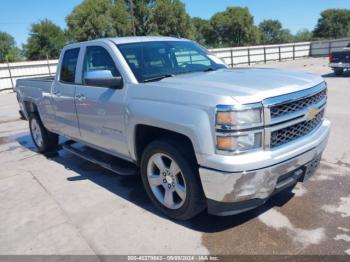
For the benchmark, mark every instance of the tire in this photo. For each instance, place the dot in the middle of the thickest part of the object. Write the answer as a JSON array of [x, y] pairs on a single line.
[[22, 116], [338, 71], [44, 140], [186, 180]]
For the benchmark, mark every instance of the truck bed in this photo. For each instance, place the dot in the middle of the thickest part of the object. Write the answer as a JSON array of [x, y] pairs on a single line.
[[39, 82], [34, 88], [36, 79]]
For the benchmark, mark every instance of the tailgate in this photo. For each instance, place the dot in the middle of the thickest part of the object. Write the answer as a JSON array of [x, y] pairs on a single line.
[[343, 56]]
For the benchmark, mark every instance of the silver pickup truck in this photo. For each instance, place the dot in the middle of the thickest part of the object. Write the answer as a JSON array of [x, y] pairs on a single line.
[[202, 136]]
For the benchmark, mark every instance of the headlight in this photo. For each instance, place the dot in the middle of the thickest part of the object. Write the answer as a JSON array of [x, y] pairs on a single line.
[[239, 143], [239, 129], [238, 119]]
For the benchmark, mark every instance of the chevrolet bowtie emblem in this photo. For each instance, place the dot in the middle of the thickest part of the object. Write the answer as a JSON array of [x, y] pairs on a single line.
[[311, 114]]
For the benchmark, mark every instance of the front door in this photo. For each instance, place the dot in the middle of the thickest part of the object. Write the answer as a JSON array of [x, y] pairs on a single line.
[[100, 108]]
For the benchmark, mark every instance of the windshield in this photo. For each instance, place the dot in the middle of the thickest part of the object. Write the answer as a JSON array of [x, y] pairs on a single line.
[[156, 60]]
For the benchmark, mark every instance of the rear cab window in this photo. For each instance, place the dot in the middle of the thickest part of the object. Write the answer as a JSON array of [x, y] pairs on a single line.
[[69, 65]]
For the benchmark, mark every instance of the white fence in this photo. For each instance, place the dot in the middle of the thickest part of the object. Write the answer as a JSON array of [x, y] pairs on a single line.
[[323, 48], [257, 54], [263, 54], [10, 72]]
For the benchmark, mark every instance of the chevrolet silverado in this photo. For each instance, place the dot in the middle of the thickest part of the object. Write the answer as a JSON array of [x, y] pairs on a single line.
[[200, 134]]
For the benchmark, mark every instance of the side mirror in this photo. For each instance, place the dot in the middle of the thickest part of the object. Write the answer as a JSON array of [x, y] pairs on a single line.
[[103, 78]]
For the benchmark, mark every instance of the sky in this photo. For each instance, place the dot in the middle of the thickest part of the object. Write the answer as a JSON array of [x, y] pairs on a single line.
[[17, 15]]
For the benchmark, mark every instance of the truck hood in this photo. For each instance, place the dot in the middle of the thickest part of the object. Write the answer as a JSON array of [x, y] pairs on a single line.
[[245, 85]]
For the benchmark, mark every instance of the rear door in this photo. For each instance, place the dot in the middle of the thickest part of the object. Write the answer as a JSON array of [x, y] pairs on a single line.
[[63, 94], [101, 108]]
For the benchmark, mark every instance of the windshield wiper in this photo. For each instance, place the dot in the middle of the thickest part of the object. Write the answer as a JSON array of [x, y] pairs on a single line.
[[210, 69], [157, 78]]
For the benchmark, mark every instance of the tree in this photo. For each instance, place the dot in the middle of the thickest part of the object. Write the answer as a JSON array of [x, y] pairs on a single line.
[[286, 36], [303, 35], [121, 22], [105, 18], [8, 50], [94, 19], [141, 12], [234, 26], [90, 20], [271, 30], [334, 23], [256, 36], [273, 33], [204, 32], [170, 19], [14, 55], [45, 41]]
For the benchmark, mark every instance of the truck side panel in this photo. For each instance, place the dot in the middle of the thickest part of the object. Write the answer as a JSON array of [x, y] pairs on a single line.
[[191, 122], [38, 92]]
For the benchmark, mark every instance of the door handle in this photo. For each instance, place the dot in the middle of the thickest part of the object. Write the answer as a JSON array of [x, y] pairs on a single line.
[[56, 93], [80, 97]]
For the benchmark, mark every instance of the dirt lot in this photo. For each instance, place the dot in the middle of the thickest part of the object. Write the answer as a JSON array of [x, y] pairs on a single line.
[[60, 204]]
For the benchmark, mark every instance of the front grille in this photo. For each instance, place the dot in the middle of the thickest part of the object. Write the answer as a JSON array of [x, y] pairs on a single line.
[[290, 133], [287, 108]]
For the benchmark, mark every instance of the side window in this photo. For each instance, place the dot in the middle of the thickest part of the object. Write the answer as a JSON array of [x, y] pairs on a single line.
[[97, 61], [69, 65]]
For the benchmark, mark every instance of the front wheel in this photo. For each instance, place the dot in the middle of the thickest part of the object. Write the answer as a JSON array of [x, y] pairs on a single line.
[[171, 180], [44, 140]]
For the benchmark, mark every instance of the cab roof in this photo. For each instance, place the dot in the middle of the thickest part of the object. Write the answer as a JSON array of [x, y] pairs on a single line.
[[138, 39], [128, 40]]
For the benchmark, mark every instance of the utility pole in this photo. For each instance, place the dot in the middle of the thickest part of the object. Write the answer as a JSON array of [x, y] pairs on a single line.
[[48, 63], [10, 74], [131, 6]]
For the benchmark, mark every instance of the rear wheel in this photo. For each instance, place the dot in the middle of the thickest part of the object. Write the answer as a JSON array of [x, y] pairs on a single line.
[[44, 140], [338, 71], [171, 180]]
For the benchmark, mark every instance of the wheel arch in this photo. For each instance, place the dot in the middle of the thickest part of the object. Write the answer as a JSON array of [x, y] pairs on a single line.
[[29, 108], [185, 121], [145, 134]]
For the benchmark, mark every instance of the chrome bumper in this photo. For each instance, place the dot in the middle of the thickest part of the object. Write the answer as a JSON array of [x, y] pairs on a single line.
[[260, 183], [339, 65]]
